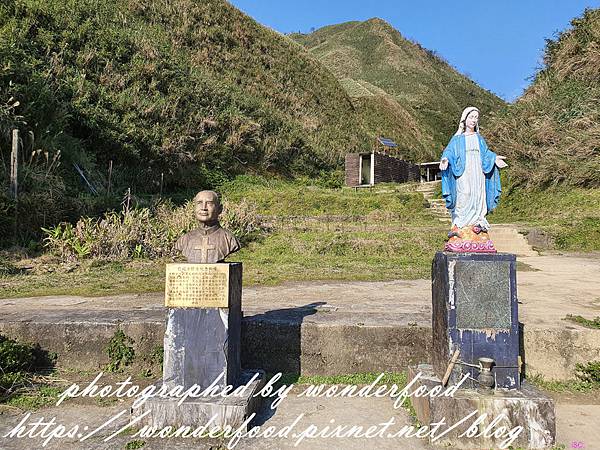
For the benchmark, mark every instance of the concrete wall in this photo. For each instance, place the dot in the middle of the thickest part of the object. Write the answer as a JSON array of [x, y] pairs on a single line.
[[294, 346]]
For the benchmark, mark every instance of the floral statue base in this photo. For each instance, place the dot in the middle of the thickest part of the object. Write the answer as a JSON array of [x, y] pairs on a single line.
[[471, 239]]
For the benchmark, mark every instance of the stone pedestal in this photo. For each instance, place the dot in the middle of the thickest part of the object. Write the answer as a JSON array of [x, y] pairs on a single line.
[[475, 311], [203, 342], [194, 412], [526, 407], [475, 315]]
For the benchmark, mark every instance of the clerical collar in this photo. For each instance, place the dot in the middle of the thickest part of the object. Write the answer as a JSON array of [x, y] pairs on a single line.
[[208, 230]]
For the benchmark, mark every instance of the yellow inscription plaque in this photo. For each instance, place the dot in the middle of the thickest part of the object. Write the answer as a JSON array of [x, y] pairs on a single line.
[[197, 285]]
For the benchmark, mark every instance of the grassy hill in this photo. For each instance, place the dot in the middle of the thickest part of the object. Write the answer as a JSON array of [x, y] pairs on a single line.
[[309, 233], [551, 136], [401, 90], [170, 83], [552, 133], [192, 89]]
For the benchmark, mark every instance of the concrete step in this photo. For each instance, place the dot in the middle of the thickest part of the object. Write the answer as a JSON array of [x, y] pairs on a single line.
[[320, 328], [428, 186], [507, 239], [427, 189]]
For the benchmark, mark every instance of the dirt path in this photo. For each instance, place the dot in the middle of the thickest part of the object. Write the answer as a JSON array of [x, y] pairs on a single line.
[[575, 423], [549, 288]]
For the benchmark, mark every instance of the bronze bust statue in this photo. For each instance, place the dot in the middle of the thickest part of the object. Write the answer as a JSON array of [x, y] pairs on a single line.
[[209, 243]]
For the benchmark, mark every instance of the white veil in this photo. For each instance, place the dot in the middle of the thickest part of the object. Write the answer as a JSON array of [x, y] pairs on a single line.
[[463, 117]]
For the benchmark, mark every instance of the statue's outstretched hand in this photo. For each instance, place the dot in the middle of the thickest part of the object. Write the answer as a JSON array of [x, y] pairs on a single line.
[[444, 164], [500, 162]]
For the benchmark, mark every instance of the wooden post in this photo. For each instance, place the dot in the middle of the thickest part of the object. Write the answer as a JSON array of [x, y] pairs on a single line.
[[110, 164], [162, 179], [14, 165], [128, 198]]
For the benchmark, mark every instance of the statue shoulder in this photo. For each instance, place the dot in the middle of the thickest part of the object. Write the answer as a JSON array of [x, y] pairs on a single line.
[[456, 139], [452, 146], [233, 241], [183, 240]]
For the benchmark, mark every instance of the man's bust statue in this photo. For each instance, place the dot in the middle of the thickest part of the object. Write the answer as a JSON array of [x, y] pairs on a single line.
[[209, 243]]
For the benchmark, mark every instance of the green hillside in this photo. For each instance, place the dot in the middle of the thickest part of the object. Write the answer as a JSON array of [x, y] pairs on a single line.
[[192, 89], [552, 133], [400, 89]]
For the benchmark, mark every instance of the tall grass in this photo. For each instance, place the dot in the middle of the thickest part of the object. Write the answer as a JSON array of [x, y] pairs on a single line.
[[552, 133], [141, 232]]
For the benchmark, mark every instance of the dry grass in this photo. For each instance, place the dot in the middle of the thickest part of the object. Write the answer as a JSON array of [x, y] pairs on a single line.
[[552, 133], [402, 90]]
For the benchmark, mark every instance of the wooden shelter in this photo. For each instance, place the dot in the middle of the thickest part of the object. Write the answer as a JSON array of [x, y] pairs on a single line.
[[377, 166]]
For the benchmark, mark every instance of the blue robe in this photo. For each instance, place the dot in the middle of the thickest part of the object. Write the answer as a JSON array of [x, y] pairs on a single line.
[[456, 154]]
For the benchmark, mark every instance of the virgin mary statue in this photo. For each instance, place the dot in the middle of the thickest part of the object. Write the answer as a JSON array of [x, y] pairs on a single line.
[[470, 185]]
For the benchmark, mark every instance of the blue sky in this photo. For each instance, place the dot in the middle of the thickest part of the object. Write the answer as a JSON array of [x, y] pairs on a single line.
[[499, 44]]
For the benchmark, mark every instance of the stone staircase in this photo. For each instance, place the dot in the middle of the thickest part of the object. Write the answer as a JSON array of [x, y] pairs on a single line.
[[505, 236], [437, 206], [507, 239]]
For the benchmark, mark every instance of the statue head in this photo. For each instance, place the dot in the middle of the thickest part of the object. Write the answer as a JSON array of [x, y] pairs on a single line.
[[207, 207], [469, 119]]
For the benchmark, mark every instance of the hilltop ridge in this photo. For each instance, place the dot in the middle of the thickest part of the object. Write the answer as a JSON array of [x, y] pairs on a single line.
[[401, 89]]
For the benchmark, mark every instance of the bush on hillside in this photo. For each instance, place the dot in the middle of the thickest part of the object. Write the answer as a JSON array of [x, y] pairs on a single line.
[[142, 232], [18, 362], [589, 372]]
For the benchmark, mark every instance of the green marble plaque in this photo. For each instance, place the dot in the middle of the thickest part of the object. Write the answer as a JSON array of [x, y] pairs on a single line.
[[482, 294]]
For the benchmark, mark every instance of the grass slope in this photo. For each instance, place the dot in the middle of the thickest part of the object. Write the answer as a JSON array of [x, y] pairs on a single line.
[[568, 215], [551, 137], [401, 89], [194, 90], [317, 234], [167, 86], [552, 133]]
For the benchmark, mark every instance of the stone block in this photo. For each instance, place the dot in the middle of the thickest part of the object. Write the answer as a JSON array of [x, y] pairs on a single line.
[[200, 344], [526, 407], [475, 310], [195, 412]]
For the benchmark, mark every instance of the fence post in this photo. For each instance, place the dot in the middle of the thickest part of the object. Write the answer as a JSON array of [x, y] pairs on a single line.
[[14, 165], [110, 167]]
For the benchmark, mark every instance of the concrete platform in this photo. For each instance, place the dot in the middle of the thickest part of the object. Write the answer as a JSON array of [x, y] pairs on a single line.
[[229, 411], [328, 327], [522, 418], [575, 423]]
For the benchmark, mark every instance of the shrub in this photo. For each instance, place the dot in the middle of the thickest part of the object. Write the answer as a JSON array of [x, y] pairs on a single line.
[[18, 362], [6, 267], [120, 351], [15, 357], [331, 179], [142, 232], [589, 372]]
